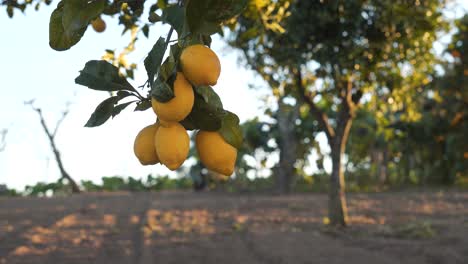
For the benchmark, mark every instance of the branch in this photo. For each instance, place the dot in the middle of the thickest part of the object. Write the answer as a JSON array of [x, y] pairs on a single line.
[[318, 113], [349, 99], [348, 110], [3, 142], [59, 122], [51, 137]]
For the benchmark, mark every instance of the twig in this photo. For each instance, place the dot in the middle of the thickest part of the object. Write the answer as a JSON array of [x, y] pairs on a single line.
[[168, 38], [3, 142], [166, 44], [59, 122], [51, 137], [320, 115]]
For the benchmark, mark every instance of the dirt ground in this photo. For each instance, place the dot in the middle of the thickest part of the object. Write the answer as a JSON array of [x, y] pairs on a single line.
[[185, 227]]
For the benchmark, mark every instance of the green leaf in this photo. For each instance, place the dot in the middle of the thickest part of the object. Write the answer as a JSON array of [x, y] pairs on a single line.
[[197, 39], [153, 60], [176, 50], [222, 10], [175, 16], [130, 73], [77, 14], [162, 4], [162, 91], [205, 16], [153, 18], [168, 68], [118, 108], [206, 27], [204, 116], [70, 20], [103, 112], [145, 30], [123, 94], [59, 39], [10, 11], [143, 105], [230, 130], [102, 76], [209, 96]]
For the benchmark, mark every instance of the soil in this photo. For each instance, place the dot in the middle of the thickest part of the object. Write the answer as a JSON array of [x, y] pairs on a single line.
[[186, 227]]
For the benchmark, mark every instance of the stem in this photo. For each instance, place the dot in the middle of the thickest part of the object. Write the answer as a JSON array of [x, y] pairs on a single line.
[[168, 39], [143, 85], [138, 93]]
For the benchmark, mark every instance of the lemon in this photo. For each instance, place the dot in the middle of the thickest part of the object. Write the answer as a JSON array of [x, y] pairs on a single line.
[[200, 65], [215, 153], [143, 146], [172, 145], [98, 25], [178, 107]]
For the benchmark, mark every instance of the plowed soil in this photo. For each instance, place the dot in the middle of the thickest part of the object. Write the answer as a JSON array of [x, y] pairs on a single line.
[[186, 227]]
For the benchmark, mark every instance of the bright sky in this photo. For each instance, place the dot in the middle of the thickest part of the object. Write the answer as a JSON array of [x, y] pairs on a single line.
[[30, 69]]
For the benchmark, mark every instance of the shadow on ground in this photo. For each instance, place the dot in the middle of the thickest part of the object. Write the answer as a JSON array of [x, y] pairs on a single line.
[[184, 227]]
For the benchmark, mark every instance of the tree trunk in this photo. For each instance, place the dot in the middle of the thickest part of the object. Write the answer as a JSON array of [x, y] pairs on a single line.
[[58, 158], [337, 139], [384, 167], [286, 172], [63, 172], [337, 208]]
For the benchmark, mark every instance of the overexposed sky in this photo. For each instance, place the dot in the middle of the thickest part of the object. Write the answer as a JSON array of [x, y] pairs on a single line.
[[30, 69]]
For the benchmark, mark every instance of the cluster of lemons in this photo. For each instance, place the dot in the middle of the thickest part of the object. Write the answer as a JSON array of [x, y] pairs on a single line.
[[167, 141]]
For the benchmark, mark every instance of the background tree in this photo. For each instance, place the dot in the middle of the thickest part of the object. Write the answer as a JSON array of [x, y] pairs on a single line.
[[51, 134], [334, 52], [437, 140]]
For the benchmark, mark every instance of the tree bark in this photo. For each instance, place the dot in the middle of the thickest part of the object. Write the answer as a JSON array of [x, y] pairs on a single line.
[[384, 166], [337, 208], [286, 172], [63, 172], [337, 139]]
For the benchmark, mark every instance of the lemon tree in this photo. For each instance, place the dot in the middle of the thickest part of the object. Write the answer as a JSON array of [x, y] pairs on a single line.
[[179, 86]]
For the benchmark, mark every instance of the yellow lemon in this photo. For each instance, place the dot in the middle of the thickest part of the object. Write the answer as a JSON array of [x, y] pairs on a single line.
[[215, 153], [178, 107], [200, 65], [143, 146], [98, 24], [172, 145]]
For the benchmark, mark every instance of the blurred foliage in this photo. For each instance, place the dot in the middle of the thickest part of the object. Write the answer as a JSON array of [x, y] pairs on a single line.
[[151, 183], [384, 46], [430, 150], [328, 55], [109, 184], [5, 191], [60, 187]]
